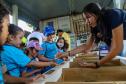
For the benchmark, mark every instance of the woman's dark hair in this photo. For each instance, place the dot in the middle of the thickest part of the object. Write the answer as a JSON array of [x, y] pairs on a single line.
[[13, 29], [3, 12], [66, 45], [95, 8], [92, 8]]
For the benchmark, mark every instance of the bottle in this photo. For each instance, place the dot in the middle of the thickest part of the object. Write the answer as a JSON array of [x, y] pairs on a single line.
[[103, 49]]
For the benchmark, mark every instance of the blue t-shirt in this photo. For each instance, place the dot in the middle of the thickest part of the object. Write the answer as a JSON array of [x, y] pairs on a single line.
[[14, 59], [1, 76], [49, 51], [30, 69], [61, 51]]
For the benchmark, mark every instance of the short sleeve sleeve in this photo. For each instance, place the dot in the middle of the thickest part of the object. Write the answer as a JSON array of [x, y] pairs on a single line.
[[115, 18], [42, 52], [21, 59]]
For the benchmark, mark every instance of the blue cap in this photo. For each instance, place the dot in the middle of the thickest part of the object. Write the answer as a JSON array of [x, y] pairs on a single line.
[[49, 30]]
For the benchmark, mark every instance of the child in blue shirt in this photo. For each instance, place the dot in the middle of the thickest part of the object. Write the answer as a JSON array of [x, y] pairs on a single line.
[[32, 51], [50, 50], [4, 21], [14, 58]]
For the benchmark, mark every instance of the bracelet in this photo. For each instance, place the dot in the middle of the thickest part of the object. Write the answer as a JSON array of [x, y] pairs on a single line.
[[97, 64]]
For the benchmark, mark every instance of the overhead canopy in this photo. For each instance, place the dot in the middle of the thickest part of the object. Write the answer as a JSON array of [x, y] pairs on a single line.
[[32, 11]]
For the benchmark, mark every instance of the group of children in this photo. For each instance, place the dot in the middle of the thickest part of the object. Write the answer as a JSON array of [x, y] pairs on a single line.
[[35, 59]]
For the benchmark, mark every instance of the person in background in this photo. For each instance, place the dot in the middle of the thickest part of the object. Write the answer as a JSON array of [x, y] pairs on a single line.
[[62, 45], [37, 34], [23, 43], [62, 34]]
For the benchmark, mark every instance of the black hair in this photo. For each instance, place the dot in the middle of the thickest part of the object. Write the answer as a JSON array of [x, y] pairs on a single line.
[[59, 30], [33, 38], [13, 29], [3, 12], [31, 48], [94, 8], [37, 28], [66, 45], [27, 51]]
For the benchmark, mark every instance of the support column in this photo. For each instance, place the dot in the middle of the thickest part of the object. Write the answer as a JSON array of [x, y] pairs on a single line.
[[118, 4], [41, 26], [15, 14]]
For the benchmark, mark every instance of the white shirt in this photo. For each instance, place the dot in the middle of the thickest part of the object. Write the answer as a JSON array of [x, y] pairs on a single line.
[[37, 35]]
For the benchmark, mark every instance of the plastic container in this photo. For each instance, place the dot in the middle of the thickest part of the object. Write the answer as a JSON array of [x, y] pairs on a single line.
[[103, 49]]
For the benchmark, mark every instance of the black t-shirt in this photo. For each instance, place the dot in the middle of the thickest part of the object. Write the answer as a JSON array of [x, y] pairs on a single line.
[[110, 20]]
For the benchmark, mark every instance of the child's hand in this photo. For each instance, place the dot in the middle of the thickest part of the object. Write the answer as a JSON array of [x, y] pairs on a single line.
[[53, 64], [59, 55], [32, 79], [65, 58]]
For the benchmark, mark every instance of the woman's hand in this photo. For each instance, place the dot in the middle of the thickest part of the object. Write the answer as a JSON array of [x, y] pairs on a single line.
[[86, 64]]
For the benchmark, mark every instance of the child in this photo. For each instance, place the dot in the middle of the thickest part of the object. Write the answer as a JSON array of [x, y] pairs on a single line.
[[13, 57], [4, 22], [62, 45], [50, 50], [32, 51]]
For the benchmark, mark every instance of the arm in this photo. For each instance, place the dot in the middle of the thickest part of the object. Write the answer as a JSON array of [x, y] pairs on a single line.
[[11, 79], [80, 49], [28, 74], [117, 44], [84, 47], [41, 64], [43, 58]]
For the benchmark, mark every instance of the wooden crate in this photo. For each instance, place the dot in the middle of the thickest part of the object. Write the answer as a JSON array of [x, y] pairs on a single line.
[[117, 73], [87, 82], [111, 63]]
